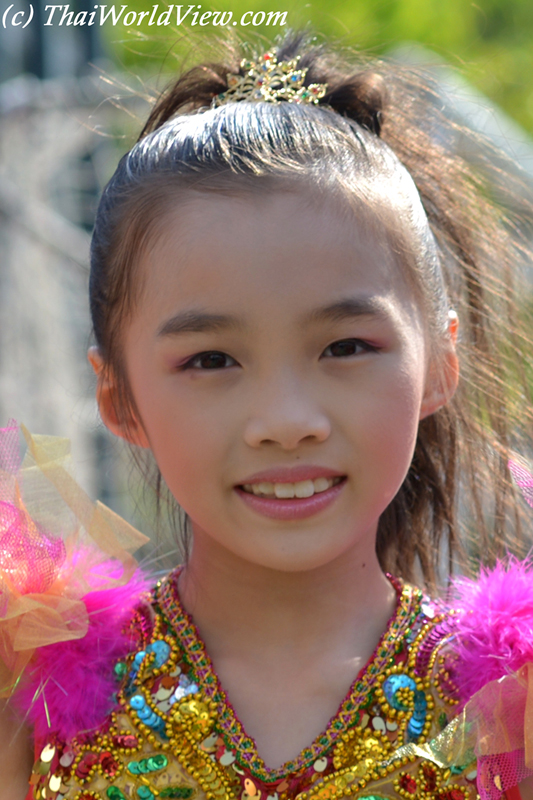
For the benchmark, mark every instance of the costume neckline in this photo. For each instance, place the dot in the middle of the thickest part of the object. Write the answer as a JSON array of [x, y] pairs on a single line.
[[407, 608]]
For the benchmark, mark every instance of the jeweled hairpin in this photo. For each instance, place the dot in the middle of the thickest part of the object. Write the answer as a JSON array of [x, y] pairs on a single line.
[[271, 81]]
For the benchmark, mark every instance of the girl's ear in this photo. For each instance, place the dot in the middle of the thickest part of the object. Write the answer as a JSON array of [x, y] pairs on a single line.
[[442, 377], [128, 428]]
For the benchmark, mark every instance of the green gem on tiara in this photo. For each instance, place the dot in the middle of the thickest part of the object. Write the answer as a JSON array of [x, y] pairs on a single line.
[[270, 81]]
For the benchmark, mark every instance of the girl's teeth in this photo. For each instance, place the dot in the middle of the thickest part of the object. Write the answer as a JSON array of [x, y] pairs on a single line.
[[286, 491], [304, 489]]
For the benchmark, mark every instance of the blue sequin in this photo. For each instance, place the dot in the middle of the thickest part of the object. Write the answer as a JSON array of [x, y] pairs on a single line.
[[414, 730], [418, 720], [161, 649], [183, 691], [157, 724], [391, 687], [137, 702], [146, 715]]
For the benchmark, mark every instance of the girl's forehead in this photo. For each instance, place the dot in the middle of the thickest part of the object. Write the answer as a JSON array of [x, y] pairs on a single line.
[[246, 245]]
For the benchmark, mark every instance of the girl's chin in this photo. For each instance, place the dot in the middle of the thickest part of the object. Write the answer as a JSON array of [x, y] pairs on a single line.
[[284, 548], [289, 560]]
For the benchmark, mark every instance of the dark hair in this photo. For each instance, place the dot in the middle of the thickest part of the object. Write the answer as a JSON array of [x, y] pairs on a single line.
[[376, 126]]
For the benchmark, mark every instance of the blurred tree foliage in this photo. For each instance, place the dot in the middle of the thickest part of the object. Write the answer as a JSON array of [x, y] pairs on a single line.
[[490, 42]]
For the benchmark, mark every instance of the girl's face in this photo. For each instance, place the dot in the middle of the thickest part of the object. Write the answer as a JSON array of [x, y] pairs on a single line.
[[276, 349]]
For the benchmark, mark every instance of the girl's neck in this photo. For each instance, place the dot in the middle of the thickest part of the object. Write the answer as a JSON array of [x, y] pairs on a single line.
[[239, 606]]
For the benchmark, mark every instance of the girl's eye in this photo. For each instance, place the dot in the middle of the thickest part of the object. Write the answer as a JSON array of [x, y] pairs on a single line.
[[347, 347], [212, 359]]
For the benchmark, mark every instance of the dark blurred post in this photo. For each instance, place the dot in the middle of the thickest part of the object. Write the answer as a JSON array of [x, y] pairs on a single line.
[[49, 51], [34, 45]]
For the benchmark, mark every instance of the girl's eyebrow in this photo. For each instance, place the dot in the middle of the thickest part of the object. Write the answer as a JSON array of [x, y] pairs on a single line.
[[205, 322], [197, 322], [351, 307]]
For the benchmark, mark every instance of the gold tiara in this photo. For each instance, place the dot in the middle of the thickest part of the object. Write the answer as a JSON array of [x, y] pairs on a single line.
[[270, 81]]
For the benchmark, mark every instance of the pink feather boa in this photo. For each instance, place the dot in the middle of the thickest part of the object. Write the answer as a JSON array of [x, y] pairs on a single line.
[[70, 684], [494, 629]]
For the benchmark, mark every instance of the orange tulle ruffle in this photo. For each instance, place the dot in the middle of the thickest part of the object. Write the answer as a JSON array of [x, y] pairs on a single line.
[[56, 545]]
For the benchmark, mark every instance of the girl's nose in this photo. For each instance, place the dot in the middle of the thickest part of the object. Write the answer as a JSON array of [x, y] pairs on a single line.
[[286, 416]]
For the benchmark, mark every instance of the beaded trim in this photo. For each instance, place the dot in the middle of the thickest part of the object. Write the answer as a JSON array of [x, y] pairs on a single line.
[[407, 610]]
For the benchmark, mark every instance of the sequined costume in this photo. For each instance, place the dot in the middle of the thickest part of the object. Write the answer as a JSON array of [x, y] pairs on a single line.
[[124, 701], [175, 734]]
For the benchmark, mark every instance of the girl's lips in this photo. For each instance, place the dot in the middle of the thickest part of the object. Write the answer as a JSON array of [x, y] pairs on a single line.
[[294, 508], [300, 472]]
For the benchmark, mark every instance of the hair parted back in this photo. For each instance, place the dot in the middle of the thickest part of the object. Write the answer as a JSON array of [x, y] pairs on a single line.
[[374, 127]]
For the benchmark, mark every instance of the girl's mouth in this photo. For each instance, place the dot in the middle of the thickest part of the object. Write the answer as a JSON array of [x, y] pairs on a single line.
[[291, 500], [286, 491]]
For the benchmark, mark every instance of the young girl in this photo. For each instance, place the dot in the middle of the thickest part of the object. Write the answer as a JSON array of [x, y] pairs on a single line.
[[286, 270]]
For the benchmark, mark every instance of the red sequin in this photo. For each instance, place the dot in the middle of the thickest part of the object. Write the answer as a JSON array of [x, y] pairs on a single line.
[[456, 794], [126, 741], [408, 783], [430, 778], [84, 767], [109, 764]]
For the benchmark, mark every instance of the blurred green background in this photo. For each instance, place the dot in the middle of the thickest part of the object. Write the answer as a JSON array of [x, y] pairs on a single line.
[[490, 43]]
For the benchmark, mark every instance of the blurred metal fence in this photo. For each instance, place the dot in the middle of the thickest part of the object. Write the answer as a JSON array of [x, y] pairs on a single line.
[[54, 161]]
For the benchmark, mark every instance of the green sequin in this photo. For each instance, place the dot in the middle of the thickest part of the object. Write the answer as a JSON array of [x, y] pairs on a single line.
[[181, 792], [147, 765], [372, 797], [120, 669], [114, 793]]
